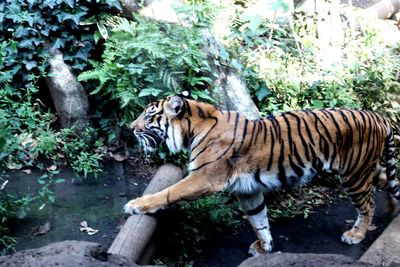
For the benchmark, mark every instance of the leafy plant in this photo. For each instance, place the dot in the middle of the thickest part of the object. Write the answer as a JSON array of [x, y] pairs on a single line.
[[192, 221], [35, 27], [84, 151], [282, 64], [162, 60], [11, 207], [87, 163]]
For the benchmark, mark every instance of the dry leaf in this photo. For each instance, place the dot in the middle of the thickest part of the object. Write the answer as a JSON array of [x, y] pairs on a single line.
[[13, 166], [52, 168], [41, 230], [27, 171], [85, 228]]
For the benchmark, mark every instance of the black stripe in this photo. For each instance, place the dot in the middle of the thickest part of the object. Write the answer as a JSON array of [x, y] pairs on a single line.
[[281, 168], [372, 129], [259, 129], [258, 178], [188, 109], [299, 171], [323, 143], [205, 136], [360, 140], [310, 137], [201, 113], [303, 141], [265, 131], [289, 133], [252, 133], [339, 135], [229, 147], [271, 152], [256, 210], [276, 126], [246, 122]]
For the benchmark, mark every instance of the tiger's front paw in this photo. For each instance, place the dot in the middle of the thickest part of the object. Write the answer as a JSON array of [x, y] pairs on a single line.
[[260, 247], [140, 205]]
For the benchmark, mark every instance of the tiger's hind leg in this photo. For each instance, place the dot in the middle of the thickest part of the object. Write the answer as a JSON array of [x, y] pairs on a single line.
[[256, 210], [392, 205], [362, 199]]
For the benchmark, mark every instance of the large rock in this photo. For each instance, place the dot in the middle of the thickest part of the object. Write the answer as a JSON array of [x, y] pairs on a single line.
[[67, 253], [301, 260], [68, 95]]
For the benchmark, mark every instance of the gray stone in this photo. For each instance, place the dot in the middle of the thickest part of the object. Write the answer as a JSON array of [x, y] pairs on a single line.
[[301, 260], [386, 249], [67, 253]]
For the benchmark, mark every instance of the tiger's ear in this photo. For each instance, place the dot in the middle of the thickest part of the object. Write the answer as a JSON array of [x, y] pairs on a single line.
[[174, 106]]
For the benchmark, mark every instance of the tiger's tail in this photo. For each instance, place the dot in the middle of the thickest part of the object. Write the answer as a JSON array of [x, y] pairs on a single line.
[[390, 163]]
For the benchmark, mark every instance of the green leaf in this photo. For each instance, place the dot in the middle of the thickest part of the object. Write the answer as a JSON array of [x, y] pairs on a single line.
[[30, 65], [103, 30], [254, 23], [21, 213], [263, 92], [70, 3], [51, 198], [317, 104], [96, 36], [114, 3], [58, 43], [2, 154], [150, 91]]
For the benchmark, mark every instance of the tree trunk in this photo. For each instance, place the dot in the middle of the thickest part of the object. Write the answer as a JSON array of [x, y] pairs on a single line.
[[68, 95], [384, 9]]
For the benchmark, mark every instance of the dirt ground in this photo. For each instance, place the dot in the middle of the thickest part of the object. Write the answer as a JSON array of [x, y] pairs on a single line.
[[319, 233]]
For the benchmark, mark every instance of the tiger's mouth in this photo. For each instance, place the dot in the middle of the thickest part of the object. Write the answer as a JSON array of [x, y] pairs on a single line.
[[148, 140]]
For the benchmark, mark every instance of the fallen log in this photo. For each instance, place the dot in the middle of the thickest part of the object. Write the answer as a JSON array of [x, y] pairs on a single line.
[[134, 236]]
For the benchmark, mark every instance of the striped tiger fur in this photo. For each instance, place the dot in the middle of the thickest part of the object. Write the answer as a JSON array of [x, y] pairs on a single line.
[[251, 157]]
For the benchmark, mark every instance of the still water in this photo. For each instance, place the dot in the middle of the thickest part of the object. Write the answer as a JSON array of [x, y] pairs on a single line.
[[98, 201]]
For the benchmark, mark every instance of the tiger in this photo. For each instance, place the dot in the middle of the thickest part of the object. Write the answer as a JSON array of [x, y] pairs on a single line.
[[249, 158]]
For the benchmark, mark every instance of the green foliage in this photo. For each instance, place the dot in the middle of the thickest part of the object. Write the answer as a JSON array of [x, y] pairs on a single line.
[[145, 60], [34, 27], [84, 151], [11, 207], [192, 222], [210, 209], [287, 67]]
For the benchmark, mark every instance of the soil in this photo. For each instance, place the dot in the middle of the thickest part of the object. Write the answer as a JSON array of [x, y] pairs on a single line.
[[100, 203], [319, 233]]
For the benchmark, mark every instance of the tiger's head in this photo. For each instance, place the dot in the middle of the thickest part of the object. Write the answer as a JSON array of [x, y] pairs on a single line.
[[159, 122]]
